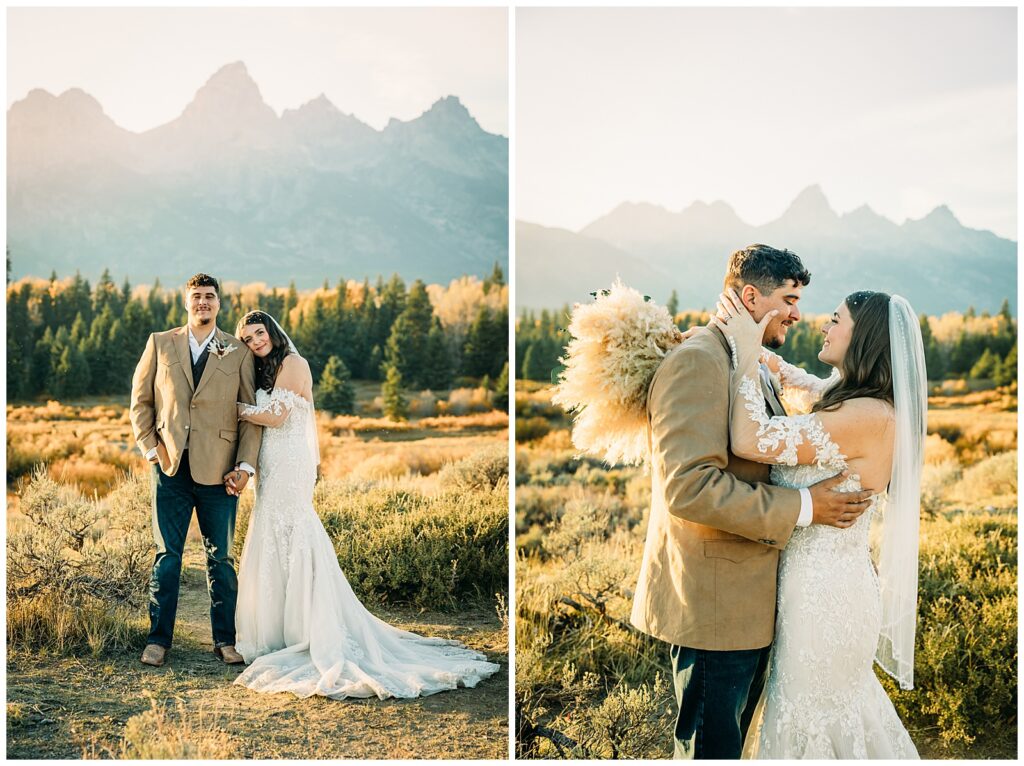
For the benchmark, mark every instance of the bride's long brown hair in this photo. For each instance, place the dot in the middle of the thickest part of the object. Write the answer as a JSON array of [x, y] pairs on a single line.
[[866, 368], [268, 366]]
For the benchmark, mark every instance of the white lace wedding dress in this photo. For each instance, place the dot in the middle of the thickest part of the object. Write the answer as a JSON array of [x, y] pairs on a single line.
[[298, 621], [821, 698]]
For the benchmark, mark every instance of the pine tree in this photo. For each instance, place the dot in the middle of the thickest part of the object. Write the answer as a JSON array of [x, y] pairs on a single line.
[[20, 343], [76, 299], [533, 364], [70, 376], [1006, 371], [78, 330], [312, 336], [673, 305], [985, 367], [101, 355], [478, 354], [391, 303], [337, 393], [155, 303], [407, 344], [496, 278], [291, 300], [500, 399], [106, 294], [438, 367], [934, 362], [43, 361], [176, 315], [375, 364], [396, 406]]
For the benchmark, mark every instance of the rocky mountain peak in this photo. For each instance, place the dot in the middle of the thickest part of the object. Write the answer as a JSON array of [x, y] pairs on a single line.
[[941, 215], [810, 203], [229, 94]]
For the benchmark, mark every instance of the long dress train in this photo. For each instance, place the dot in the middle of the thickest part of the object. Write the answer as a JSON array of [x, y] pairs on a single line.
[[298, 621]]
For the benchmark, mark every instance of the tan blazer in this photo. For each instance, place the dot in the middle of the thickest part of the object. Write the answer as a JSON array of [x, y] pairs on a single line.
[[708, 575], [170, 408]]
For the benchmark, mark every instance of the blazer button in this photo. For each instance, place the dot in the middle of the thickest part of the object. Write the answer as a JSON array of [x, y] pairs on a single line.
[[186, 428], [193, 406], [766, 542]]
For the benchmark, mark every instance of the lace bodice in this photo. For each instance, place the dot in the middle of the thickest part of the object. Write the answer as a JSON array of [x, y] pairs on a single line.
[[822, 699], [828, 540], [286, 460]]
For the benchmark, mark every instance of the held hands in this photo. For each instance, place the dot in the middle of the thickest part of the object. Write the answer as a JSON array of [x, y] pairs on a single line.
[[235, 481], [838, 509]]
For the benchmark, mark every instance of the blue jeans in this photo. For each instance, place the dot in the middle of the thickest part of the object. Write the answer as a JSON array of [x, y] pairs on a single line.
[[174, 497], [717, 693]]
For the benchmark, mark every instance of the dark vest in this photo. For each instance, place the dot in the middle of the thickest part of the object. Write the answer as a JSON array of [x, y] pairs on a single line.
[[199, 366]]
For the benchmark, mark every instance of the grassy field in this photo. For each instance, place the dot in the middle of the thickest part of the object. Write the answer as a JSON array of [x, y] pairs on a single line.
[[417, 511], [588, 685]]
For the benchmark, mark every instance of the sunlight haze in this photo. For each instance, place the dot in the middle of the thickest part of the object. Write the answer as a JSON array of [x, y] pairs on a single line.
[[144, 65], [900, 109]]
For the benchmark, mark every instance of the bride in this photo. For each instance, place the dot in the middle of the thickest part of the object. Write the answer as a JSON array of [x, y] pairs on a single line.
[[300, 626], [835, 614]]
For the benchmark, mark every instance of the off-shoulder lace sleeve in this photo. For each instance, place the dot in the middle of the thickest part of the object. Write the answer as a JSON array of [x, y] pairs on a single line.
[[790, 440], [275, 410]]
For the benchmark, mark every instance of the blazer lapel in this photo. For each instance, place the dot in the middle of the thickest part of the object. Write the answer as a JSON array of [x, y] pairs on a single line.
[[184, 354], [771, 396], [212, 361]]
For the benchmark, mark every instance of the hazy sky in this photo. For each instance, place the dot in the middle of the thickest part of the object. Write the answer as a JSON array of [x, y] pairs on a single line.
[[145, 64], [902, 109]]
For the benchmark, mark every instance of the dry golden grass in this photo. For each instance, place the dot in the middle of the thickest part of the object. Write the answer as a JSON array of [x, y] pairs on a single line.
[[99, 710], [91, 447], [159, 734], [580, 529], [360, 424], [975, 433]]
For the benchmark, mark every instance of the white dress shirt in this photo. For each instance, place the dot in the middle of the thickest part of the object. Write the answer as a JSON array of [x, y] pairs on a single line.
[[196, 347]]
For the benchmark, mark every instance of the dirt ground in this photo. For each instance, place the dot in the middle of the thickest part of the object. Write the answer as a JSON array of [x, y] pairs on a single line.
[[59, 707]]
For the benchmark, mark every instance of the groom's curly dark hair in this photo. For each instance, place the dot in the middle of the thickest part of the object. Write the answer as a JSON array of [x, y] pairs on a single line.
[[202, 280], [766, 268]]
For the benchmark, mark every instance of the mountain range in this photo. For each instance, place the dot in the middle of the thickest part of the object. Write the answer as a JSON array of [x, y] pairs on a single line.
[[935, 262], [231, 188]]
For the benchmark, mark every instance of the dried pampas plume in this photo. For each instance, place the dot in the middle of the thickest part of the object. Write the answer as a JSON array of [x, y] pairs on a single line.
[[617, 343]]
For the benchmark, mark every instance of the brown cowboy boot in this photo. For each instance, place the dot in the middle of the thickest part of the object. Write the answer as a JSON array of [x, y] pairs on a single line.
[[154, 655], [228, 655]]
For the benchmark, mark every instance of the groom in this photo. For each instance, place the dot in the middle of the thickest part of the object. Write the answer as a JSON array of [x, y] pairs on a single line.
[[185, 419], [708, 578]]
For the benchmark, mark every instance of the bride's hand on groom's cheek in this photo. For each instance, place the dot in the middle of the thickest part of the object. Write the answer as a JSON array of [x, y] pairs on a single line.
[[737, 322]]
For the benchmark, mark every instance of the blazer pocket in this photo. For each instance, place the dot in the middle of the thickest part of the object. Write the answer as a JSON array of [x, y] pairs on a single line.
[[736, 551], [228, 435]]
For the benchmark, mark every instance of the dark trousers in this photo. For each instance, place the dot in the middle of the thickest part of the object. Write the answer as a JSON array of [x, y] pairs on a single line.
[[174, 497], [717, 693]]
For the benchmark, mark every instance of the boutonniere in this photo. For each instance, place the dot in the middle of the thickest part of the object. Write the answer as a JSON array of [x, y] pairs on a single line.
[[219, 349]]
